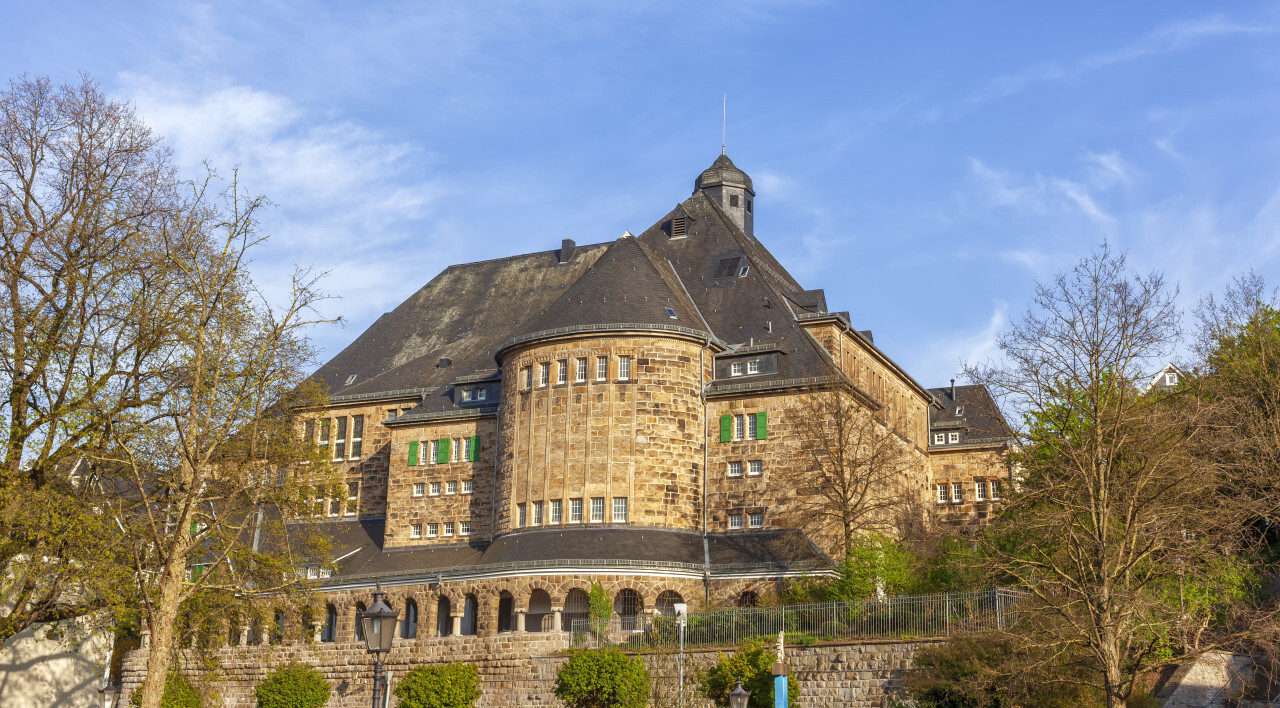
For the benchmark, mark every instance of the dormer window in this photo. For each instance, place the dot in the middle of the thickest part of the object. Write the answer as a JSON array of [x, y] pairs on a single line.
[[466, 394], [959, 410], [736, 369], [753, 366], [481, 393], [1170, 379], [678, 227]]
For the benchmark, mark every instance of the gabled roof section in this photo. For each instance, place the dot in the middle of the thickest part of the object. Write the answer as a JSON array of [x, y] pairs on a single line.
[[462, 314]]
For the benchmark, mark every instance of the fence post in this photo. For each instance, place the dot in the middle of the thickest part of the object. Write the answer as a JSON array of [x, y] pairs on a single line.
[[947, 599], [999, 610]]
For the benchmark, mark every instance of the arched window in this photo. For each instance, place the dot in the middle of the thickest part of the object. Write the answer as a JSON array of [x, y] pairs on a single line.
[[469, 609], [255, 630], [539, 611], [329, 632], [277, 627], [444, 623], [627, 605], [233, 629], [506, 609], [577, 608], [748, 598], [409, 625], [359, 624], [667, 601]]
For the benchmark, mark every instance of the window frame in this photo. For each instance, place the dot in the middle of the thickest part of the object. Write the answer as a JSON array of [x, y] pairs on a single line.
[[467, 486], [353, 498], [434, 489], [562, 371], [953, 438], [980, 490], [755, 468], [941, 492], [415, 530], [939, 438], [739, 427], [446, 531], [957, 493], [735, 469], [624, 367], [575, 511], [620, 510], [753, 366], [451, 487], [736, 369], [555, 512], [357, 437], [597, 510], [602, 368], [340, 438], [537, 514], [735, 522], [752, 427], [755, 520], [419, 489], [521, 515], [433, 530], [544, 374], [464, 528], [580, 370]]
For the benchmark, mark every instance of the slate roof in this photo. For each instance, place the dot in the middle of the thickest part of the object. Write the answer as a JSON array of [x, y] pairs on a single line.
[[358, 545], [981, 421]]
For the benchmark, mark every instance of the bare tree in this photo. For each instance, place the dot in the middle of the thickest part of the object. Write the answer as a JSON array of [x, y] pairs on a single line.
[[857, 470], [1116, 511]]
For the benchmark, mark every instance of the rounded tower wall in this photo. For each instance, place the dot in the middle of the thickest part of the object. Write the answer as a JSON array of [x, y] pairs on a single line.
[[635, 436]]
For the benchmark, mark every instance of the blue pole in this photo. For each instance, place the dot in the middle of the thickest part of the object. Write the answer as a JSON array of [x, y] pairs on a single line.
[[780, 685]]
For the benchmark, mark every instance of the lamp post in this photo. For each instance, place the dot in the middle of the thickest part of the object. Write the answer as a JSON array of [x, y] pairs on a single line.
[[379, 624], [738, 697], [682, 618]]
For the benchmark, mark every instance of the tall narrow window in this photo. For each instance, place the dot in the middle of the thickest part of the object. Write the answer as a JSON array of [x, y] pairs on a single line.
[[582, 369], [353, 497], [942, 494], [329, 632], [751, 427], [995, 489], [544, 373], [624, 367], [309, 432], [520, 516], [537, 513], [357, 436], [340, 439], [562, 371], [455, 450], [482, 392], [324, 433], [619, 510], [602, 368], [597, 509], [435, 452], [575, 511], [555, 511], [409, 625], [335, 506], [528, 377], [739, 426], [980, 490]]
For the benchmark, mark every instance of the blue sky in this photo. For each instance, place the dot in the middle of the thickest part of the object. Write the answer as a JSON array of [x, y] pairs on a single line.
[[925, 164]]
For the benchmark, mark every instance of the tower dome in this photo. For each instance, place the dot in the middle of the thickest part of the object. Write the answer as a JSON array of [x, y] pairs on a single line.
[[731, 188]]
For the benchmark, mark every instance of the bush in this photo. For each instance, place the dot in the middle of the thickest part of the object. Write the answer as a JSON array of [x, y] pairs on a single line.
[[752, 664], [992, 672], [293, 686], [440, 686], [601, 605], [178, 693], [602, 678]]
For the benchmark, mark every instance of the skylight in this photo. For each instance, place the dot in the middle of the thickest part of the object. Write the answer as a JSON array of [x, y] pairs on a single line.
[[350, 380], [671, 313]]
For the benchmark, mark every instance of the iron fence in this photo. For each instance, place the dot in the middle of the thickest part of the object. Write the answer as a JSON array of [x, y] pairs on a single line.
[[909, 617]]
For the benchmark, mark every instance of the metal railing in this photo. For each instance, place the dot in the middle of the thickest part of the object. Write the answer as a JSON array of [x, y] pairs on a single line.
[[909, 617]]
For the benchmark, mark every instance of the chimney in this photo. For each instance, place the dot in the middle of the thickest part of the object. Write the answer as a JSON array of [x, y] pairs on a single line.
[[566, 250], [953, 389]]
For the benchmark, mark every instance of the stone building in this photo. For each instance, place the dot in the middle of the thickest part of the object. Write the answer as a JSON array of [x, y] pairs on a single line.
[[968, 449], [622, 413]]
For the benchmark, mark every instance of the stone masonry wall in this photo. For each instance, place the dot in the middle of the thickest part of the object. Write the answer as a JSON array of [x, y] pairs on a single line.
[[519, 670], [369, 468], [404, 508], [966, 466], [634, 438]]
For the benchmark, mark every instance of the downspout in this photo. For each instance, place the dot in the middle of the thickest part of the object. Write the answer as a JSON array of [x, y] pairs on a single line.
[[498, 439], [706, 431]]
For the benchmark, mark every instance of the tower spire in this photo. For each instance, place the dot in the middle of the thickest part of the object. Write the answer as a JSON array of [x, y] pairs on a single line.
[[724, 119]]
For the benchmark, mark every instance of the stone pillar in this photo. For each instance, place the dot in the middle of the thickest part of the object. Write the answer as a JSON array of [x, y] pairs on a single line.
[[244, 635], [556, 626], [457, 625], [315, 631], [146, 638], [519, 627]]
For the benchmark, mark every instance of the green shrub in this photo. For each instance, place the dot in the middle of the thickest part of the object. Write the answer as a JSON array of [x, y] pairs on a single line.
[[752, 664], [439, 686], [980, 671], [602, 678], [178, 693], [293, 686], [601, 605]]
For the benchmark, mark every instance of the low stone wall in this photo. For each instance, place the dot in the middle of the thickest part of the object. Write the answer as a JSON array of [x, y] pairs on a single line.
[[520, 670]]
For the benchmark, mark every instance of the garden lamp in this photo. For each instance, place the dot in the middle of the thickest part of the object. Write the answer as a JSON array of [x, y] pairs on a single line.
[[379, 624], [738, 697]]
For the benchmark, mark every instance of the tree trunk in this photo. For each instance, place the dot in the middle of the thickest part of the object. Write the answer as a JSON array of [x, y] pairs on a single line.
[[163, 615]]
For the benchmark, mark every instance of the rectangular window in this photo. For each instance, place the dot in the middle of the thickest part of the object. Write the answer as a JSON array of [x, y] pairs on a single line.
[[942, 494], [582, 370], [735, 369], [465, 529], [957, 493], [995, 489], [555, 511], [451, 487], [980, 490], [953, 438], [419, 489], [466, 395], [753, 366], [735, 521], [544, 373], [455, 450], [466, 486], [602, 368], [335, 507], [735, 469], [755, 520], [939, 438], [324, 433], [755, 468], [751, 427], [435, 489], [448, 528], [357, 436], [597, 509], [433, 530], [482, 392], [353, 496], [739, 426], [340, 439], [520, 516], [575, 511], [537, 513], [619, 510], [562, 371], [1171, 379], [624, 367], [528, 377], [435, 452], [309, 432], [415, 531]]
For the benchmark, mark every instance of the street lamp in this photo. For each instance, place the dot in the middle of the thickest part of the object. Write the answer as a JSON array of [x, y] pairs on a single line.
[[738, 698], [379, 624]]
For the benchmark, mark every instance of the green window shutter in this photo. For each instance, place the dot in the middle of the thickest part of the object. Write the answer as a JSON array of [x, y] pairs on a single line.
[[413, 453], [473, 454], [762, 425], [726, 428], [442, 451]]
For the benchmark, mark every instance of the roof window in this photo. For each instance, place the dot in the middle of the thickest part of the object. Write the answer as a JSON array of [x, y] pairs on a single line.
[[671, 313], [959, 410], [350, 380], [726, 266], [744, 270]]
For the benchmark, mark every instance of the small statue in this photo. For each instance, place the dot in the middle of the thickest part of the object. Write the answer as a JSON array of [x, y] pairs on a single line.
[[781, 649]]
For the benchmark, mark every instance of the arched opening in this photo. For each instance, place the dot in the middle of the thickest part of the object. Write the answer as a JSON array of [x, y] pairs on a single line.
[[255, 630], [666, 603], [359, 624], [233, 629], [577, 608], [506, 608], [444, 623], [627, 606], [329, 632], [469, 609], [277, 627], [539, 612], [409, 625], [748, 598]]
